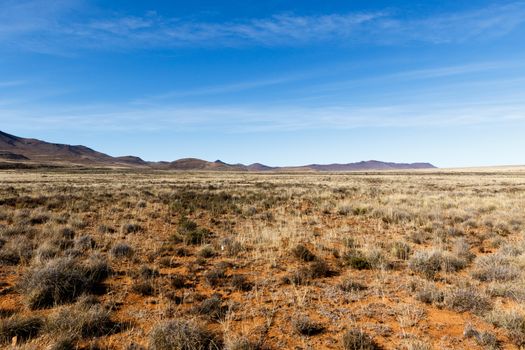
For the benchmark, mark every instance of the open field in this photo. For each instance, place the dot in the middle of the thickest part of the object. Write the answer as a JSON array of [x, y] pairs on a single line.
[[159, 260]]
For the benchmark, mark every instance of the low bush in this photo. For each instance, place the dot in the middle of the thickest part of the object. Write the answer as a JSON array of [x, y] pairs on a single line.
[[401, 250], [244, 343], [83, 320], [356, 260], [494, 268], [122, 250], [147, 272], [512, 321], [416, 344], [467, 299], [239, 282], [16, 250], [22, 327], [46, 251], [305, 326], [212, 308], [356, 339], [85, 242], [62, 280], [105, 229], [178, 281], [143, 287], [301, 252], [232, 247], [215, 277], [316, 269], [64, 343], [183, 335], [300, 276], [131, 228], [191, 233], [38, 219], [429, 263], [426, 263], [319, 269], [349, 285], [485, 339], [428, 293], [207, 252]]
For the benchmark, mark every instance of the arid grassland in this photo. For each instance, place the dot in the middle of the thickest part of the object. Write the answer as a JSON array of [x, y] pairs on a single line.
[[189, 261]]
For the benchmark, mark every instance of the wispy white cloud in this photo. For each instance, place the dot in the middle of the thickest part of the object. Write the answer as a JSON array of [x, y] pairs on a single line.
[[233, 119], [11, 83], [218, 89], [34, 24], [484, 23], [21, 17], [424, 74], [326, 83], [411, 107]]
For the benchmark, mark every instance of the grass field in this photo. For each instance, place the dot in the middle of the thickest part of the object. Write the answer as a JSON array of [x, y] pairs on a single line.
[[131, 260]]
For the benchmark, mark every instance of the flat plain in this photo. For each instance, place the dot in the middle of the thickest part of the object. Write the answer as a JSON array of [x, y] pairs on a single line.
[[111, 259]]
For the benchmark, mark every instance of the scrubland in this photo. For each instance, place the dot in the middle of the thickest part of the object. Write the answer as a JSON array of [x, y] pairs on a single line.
[[131, 260]]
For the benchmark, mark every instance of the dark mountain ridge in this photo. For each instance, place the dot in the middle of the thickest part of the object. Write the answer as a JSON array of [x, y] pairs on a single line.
[[14, 149]]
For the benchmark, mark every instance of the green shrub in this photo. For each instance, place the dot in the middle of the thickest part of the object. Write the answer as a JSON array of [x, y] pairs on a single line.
[[356, 260], [207, 252], [191, 233]]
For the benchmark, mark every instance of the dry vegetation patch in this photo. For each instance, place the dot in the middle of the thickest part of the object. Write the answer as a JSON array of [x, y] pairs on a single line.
[[112, 259]]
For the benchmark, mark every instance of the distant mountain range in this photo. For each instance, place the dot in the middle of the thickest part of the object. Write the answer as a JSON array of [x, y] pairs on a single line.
[[18, 151]]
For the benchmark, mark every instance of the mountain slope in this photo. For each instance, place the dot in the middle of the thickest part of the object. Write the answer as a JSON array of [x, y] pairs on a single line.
[[14, 149], [41, 151]]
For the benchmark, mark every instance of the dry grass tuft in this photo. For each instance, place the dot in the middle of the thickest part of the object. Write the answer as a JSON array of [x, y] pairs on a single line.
[[303, 325], [183, 335], [21, 327], [467, 299], [356, 339], [84, 320], [216, 247], [61, 281], [302, 253]]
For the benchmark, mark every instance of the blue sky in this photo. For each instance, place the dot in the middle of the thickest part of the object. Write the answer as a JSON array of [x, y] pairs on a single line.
[[277, 81]]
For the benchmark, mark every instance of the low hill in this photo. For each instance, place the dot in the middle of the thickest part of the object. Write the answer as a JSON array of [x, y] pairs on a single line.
[[369, 165], [19, 150]]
